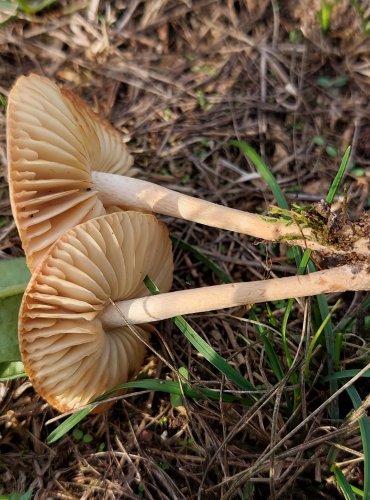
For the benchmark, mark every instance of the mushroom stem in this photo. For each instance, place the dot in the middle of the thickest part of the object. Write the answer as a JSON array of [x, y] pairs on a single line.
[[159, 307], [135, 193]]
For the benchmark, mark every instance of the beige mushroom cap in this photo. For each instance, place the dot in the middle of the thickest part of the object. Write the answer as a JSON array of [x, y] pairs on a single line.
[[68, 353], [54, 141]]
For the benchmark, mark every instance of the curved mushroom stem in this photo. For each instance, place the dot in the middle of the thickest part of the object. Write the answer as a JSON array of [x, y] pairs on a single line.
[[167, 305], [136, 193]]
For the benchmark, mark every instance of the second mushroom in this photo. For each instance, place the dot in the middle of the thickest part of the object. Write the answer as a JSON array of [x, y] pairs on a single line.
[[70, 355]]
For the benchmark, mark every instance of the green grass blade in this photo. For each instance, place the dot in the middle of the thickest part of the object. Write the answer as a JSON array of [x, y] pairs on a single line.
[[357, 491], [316, 338], [345, 374], [272, 357], [211, 355], [203, 348], [167, 386], [301, 269], [266, 174], [68, 424], [176, 399], [263, 170], [339, 176], [304, 262], [174, 387], [330, 351], [344, 485], [365, 436]]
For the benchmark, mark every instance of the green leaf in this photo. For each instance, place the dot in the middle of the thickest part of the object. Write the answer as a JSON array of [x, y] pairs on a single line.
[[357, 491], [17, 496], [77, 434], [319, 140], [7, 5], [7, 12], [325, 15], [12, 370], [9, 347], [331, 151], [358, 171], [87, 438], [14, 276], [33, 7]]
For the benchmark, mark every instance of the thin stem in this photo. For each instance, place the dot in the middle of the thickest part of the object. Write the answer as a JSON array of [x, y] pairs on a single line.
[[135, 193], [158, 307]]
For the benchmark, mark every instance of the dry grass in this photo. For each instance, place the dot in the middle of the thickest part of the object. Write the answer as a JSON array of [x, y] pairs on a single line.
[[181, 79]]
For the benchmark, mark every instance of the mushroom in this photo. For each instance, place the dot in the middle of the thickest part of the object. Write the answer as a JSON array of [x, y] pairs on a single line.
[[62, 161], [53, 140], [69, 354], [76, 345]]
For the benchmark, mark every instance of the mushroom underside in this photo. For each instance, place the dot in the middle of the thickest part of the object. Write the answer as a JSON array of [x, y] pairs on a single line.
[[54, 141], [68, 353]]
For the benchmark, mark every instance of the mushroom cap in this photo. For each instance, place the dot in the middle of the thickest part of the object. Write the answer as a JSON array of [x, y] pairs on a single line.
[[54, 141], [69, 355]]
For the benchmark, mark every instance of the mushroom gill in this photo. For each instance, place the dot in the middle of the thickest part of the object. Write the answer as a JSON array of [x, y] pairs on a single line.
[[53, 142], [68, 353]]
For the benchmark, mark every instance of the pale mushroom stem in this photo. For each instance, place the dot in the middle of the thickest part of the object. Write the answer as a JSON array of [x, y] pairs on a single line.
[[135, 193], [167, 305]]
